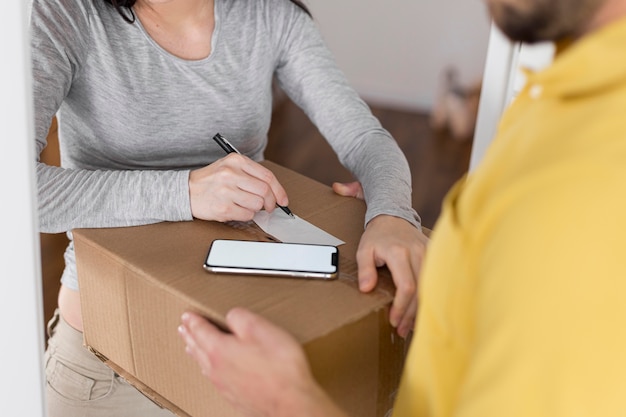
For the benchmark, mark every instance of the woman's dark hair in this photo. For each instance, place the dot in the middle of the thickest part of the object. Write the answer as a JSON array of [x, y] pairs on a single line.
[[124, 8]]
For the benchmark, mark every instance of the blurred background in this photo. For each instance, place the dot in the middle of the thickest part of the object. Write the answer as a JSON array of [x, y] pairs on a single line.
[[394, 52], [419, 65]]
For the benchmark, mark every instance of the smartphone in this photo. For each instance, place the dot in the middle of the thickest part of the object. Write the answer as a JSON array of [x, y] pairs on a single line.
[[272, 258]]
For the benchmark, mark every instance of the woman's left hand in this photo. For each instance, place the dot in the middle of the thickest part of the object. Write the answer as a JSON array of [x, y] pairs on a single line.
[[399, 245]]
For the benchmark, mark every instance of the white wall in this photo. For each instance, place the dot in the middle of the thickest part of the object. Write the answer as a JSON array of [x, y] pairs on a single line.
[[393, 51], [21, 343]]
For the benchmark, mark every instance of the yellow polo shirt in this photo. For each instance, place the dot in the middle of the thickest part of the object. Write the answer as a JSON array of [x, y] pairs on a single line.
[[523, 293]]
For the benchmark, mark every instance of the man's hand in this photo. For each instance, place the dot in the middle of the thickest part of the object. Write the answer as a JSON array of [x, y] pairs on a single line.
[[259, 368], [234, 188], [396, 243]]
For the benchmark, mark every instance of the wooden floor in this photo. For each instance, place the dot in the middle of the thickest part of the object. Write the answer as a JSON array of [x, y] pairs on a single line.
[[436, 160]]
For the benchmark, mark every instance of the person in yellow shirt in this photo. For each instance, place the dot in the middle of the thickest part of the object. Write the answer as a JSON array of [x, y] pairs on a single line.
[[528, 318]]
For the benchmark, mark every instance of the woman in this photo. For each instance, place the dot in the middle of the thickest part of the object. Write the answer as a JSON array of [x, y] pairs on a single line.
[[140, 87]]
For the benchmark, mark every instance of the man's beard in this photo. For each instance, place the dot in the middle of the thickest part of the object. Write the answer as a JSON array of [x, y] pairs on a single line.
[[540, 24]]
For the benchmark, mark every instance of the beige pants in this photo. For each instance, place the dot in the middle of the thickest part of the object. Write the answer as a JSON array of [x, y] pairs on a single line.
[[79, 385]]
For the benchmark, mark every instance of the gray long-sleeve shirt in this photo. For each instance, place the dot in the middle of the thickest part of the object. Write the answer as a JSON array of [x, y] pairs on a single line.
[[134, 119]]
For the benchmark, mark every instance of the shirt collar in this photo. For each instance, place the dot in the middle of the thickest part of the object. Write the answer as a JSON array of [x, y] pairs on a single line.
[[595, 62]]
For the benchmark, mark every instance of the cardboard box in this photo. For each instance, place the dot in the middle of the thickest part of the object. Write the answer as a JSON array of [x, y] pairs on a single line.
[[136, 282]]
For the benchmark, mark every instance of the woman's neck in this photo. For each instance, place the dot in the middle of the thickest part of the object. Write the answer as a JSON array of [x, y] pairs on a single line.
[[184, 28], [174, 13]]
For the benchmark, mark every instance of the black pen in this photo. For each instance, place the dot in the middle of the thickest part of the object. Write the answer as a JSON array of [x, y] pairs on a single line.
[[229, 148]]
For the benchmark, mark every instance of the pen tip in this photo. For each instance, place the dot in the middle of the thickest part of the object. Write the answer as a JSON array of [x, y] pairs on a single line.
[[287, 211]]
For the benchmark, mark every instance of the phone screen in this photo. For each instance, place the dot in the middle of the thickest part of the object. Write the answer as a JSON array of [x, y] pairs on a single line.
[[271, 258]]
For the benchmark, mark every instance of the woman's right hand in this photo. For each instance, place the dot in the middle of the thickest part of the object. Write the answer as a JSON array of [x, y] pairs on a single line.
[[234, 188]]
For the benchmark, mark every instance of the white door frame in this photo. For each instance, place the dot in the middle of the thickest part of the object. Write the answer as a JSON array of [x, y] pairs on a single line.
[[502, 81], [497, 89], [21, 304]]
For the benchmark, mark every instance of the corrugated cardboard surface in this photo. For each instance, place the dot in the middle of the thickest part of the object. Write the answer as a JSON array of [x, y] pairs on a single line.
[[136, 282]]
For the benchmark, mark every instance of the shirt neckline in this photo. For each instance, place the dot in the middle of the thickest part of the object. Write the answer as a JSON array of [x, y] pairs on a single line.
[[169, 55], [590, 64]]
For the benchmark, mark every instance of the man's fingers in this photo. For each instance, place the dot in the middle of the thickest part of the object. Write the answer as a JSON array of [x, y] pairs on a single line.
[[250, 327], [243, 323], [200, 336]]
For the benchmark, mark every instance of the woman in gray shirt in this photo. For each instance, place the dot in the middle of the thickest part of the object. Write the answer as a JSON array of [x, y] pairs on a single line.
[[139, 88]]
